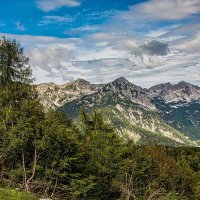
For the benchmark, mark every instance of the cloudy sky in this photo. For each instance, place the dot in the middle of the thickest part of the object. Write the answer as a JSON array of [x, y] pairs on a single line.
[[145, 41]]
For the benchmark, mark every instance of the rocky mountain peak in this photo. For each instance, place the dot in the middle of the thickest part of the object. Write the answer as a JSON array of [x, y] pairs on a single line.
[[121, 80], [162, 86], [124, 89], [123, 84], [80, 81], [77, 83], [53, 95], [56, 95], [182, 85], [180, 92]]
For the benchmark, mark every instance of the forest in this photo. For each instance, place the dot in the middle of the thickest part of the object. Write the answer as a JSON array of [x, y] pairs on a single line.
[[44, 154]]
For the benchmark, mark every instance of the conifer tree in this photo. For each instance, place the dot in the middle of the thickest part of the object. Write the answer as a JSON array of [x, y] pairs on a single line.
[[15, 79], [20, 111], [105, 151]]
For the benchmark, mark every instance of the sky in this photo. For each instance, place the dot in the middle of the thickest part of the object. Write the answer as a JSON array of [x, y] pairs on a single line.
[[146, 41]]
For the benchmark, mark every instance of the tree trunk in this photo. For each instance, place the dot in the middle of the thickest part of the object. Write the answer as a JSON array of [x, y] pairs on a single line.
[[34, 166], [25, 180], [24, 172]]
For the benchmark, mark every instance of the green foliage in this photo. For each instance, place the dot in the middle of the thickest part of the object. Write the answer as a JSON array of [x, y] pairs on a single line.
[[171, 196], [81, 187], [104, 150], [62, 159], [9, 194]]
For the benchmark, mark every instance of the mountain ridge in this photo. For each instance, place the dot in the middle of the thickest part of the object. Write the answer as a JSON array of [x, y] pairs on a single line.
[[151, 111], [161, 90]]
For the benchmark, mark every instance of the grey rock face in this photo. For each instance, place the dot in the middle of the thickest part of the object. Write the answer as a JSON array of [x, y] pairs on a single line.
[[54, 96], [124, 89], [180, 92]]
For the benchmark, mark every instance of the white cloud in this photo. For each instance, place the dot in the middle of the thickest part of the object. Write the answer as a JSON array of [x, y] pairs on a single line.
[[163, 10], [87, 28], [157, 33], [109, 54], [50, 5], [189, 45], [101, 36], [182, 31], [52, 19], [99, 53], [20, 26], [54, 59], [29, 41], [82, 29], [101, 14]]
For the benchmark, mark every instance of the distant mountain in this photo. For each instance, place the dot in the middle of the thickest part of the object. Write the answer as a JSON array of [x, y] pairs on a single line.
[[179, 106], [180, 92], [122, 88], [54, 96], [166, 113]]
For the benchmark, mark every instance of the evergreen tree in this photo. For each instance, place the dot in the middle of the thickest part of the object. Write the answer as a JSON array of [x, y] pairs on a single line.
[[15, 79], [105, 151], [20, 110]]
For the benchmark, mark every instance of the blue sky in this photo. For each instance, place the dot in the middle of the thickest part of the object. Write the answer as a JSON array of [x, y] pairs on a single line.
[[37, 18], [148, 42]]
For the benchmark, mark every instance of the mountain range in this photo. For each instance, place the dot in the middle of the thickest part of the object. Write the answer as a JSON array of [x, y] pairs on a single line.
[[166, 113]]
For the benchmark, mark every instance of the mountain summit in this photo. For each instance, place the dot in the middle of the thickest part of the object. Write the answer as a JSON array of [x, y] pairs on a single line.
[[121, 80], [180, 92]]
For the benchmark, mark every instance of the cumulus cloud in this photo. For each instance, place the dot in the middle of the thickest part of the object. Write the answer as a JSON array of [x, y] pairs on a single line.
[[62, 60], [50, 5], [155, 48], [55, 59], [121, 48]]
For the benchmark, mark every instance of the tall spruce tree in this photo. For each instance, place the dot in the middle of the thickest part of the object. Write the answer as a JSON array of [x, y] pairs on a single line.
[[15, 79], [19, 108]]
